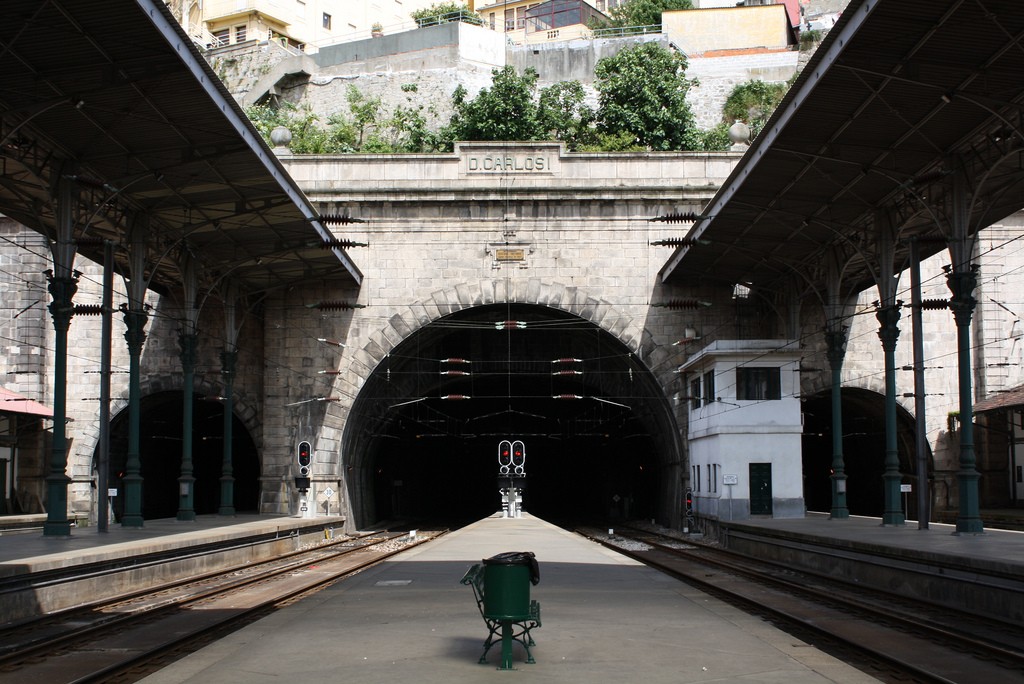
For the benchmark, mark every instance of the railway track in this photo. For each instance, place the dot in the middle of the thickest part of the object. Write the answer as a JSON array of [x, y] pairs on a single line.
[[127, 637], [900, 639]]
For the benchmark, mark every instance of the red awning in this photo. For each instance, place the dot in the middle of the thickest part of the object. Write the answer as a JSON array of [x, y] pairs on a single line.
[[12, 402]]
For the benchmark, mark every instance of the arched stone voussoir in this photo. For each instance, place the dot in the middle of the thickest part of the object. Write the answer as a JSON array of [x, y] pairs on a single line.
[[552, 295]]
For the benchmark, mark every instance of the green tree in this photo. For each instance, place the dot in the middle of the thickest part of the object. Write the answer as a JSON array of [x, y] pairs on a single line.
[[642, 91], [444, 12], [642, 12], [564, 115], [365, 111], [505, 111]]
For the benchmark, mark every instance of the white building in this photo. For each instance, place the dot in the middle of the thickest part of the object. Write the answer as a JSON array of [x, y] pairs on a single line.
[[302, 25], [744, 393]]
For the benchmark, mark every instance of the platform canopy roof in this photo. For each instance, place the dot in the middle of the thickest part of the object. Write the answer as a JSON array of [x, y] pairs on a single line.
[[114, 95], [902, 98]]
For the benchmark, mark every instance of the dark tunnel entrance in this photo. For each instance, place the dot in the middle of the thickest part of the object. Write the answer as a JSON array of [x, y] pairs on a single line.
[[422, 438], [863, 452], [160, 454]]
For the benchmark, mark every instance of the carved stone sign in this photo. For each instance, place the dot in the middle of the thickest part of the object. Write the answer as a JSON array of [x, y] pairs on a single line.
[[507, 163], [524, 160]]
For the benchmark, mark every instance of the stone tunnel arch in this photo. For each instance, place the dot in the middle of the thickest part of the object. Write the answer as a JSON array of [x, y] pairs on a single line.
[[863, 451], [160, 449], [620, 433]]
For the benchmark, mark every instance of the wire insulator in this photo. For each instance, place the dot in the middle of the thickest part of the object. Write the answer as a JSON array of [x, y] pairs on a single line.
[[679, 217], [88, 309], [567, 360], [454, 397], [338, 219], [344, 244], [679, 242], [503, 325], [934, 304], [566, 396], [682, 304], [568, 372], [338, 306], [455, 372], [455, 359]]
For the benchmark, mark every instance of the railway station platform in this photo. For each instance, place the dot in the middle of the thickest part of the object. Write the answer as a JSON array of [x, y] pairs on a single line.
[[605, 618], [41, 574], [976, 573]]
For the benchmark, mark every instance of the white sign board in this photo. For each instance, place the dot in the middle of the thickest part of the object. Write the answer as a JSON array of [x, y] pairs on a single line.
[[730, 479]]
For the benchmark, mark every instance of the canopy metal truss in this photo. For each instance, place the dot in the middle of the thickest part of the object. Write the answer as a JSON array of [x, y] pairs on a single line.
[[901, 98], [114, 96]]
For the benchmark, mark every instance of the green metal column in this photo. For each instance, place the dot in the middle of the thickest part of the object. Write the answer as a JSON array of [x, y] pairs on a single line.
[[61, 309], [135, 335], [63, 283], [186, 481], [836, 340], [962, 303], [227, 481], [888, 332]]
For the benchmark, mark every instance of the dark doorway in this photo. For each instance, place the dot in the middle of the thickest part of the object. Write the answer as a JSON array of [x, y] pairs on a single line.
[[760, 489], [160, 454], [863, 451]]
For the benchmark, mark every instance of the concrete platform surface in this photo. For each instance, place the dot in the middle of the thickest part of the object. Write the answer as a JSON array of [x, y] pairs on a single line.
[[33, 552], [999, 550], [606, 618]]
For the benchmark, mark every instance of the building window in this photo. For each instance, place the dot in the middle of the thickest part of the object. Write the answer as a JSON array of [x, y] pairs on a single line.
[[695, 393], [708, 392], [327, 21], [757, 384], [221, 37], [240, 34]]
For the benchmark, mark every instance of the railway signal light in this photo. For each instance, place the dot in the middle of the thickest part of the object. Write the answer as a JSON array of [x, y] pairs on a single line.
[[519, 457], [305, 458], [504, 456]]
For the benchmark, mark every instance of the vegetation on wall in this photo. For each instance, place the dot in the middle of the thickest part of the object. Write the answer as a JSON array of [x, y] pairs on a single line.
[[642, 92], [641, 105], [444, 12]]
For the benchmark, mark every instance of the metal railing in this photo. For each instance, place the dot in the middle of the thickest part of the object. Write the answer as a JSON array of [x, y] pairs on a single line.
[[461, 15], [625, 31]]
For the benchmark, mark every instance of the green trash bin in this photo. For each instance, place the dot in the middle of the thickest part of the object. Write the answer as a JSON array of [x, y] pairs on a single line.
[[507, 580]]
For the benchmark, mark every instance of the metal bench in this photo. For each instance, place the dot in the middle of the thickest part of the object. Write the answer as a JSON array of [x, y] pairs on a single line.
[[515, 628]]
